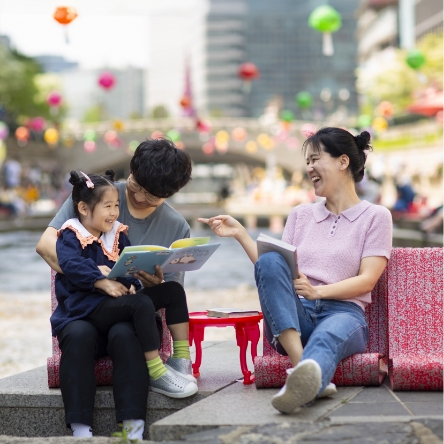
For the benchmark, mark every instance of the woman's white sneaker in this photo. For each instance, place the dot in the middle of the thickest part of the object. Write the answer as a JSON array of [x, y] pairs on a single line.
[[173, 385], [302, 386], [330, 390]]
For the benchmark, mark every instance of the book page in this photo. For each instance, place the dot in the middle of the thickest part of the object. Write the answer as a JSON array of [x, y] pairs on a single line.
[[190, 242], [188, 259], [143, 248]]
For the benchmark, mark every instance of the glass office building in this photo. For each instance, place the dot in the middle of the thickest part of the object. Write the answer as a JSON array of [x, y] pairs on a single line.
[[276, 37]]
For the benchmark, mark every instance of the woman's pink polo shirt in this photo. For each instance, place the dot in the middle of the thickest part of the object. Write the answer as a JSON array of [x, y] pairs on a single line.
[[330, 247]]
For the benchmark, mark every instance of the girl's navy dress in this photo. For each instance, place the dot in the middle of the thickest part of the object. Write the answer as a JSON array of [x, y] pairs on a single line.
[[79, 253]]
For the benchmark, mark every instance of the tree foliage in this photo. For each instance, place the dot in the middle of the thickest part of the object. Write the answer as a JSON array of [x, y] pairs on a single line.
[[391, 79]]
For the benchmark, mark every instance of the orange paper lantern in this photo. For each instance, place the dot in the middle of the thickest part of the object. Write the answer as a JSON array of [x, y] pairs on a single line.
[[65, 15]]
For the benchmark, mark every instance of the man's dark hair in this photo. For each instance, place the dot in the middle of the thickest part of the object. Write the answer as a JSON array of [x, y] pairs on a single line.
[[160, 167]]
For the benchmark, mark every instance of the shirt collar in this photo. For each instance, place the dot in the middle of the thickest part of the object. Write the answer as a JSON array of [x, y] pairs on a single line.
[[321, 213]]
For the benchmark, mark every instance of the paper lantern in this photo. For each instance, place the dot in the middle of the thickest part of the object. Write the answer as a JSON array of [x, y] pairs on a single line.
[[106, 80], [173, 134], [118, 125], [156, 135], [89, 146], [251, 147], [308, 129], [22, 133], [304, 99], [415, 59], [90, 134], [4, 131], [287, 116], [65, 15], [132, 146], [239, 133], [326, 20], [185, 102], [248, 72], [364, 121], [37, 124], [203, 126], [54, 100], [385, 109], [51, 136], [208, 148], [222, 136], [379, 124]]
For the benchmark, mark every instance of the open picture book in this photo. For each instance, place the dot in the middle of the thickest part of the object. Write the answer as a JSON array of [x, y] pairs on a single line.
[[183, 255], [265, 244]]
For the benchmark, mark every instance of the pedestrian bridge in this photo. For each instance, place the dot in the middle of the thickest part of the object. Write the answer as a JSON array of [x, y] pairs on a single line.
[[282, 146]]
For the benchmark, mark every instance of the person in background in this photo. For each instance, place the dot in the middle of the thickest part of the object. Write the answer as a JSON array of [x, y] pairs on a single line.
[[343, 245]]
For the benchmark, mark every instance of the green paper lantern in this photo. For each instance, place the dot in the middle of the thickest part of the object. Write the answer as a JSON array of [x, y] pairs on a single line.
[[287, 115], [89, 135], [364, 121], [415, 59], [325, 19], [174, 135], [304, 99]]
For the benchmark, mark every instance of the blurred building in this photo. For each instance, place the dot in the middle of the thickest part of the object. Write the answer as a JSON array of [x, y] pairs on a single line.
[[124, 100], [276, 37], [429, 17], [53, 63], [225, 52]]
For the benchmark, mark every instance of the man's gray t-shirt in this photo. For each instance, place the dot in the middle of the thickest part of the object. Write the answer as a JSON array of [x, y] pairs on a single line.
[[162, 227]]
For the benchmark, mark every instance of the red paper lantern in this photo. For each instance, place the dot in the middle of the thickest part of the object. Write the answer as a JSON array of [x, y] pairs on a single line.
[[22, 133], [107, 80], [65, 15], [185, 102], [248, 71]]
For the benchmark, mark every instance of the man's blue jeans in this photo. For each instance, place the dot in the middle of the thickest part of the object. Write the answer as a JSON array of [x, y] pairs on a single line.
[[330, 330]]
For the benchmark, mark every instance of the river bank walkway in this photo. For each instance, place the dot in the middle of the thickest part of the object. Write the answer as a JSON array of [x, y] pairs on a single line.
[[226, 411]]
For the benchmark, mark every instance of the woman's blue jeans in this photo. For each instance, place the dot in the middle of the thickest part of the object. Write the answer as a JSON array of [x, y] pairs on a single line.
[[330, 330]]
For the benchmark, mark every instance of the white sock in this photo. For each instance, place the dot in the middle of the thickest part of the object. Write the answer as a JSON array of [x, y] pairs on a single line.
[[135, 428], [81, 430]]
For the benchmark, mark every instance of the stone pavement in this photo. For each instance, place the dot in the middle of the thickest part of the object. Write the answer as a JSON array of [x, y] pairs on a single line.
[[227, 411]]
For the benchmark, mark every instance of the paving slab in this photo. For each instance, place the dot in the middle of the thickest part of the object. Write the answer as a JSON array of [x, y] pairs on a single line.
[[240, 405]]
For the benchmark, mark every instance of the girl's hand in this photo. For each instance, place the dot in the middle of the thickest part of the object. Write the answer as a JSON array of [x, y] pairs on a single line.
[[132, 289], [304, 288], [150, 280], [224, 225], [111, 288], [104, 269]]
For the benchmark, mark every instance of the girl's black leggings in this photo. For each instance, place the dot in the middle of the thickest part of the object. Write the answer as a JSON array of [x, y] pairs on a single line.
[[123, 328]]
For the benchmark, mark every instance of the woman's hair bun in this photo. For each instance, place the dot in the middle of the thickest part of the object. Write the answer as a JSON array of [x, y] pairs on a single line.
[[362, 140], [74, 178], [110, 174]]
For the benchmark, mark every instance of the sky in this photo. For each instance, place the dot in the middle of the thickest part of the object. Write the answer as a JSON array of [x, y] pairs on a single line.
[[111, 33]]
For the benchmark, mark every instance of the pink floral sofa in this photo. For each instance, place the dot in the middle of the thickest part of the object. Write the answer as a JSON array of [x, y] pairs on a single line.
[[104, 366], [415, 319], [406, 330]]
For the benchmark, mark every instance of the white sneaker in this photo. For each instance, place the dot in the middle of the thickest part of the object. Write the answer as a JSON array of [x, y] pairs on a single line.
[[173, 385], [181, 366], [330, 390], [302, 386]]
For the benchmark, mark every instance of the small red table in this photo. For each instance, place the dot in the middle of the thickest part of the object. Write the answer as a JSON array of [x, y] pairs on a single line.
[[247, 329]]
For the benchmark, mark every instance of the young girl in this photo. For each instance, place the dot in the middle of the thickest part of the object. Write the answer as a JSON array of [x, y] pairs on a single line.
[[87, 248]]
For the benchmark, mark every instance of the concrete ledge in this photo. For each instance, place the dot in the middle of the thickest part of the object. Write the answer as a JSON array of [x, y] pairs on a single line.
[[29, 408]]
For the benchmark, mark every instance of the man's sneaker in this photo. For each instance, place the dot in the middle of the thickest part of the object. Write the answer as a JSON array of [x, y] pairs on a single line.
[[330, 390], [173, 385], [182, 366], [302, 386]]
